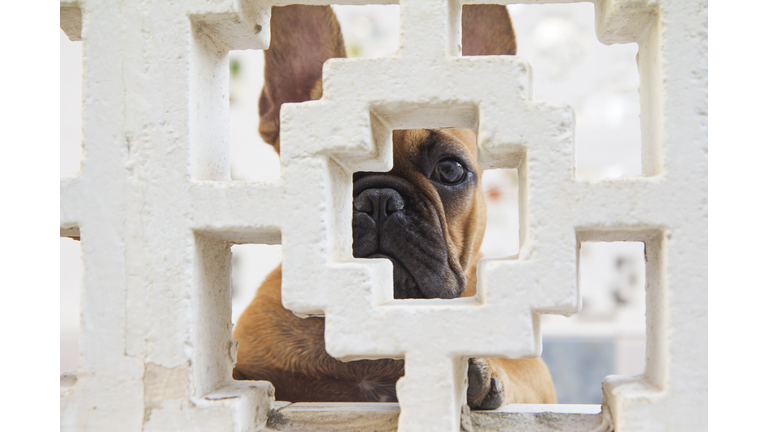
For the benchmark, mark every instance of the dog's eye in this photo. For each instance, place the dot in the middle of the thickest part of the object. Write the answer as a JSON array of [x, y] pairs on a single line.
[[449, 171]]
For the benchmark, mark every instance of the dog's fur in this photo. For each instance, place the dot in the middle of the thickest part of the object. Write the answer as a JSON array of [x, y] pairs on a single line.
[[428, 227]]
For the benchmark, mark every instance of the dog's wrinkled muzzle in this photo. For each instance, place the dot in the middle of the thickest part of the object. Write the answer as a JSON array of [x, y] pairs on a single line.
[[393, 220]]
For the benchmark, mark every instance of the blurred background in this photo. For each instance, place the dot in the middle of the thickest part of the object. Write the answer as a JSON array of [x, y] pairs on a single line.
[[569, 65]]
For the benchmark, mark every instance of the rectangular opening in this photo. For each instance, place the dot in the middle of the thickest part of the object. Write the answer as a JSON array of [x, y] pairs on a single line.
[[599, 81], [502, 227], [71, 105], [70, 276], [251, 159], [251, 266], [608, 336]]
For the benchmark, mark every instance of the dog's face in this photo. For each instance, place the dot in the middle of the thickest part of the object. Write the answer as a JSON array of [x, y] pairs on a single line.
[[427, 215]]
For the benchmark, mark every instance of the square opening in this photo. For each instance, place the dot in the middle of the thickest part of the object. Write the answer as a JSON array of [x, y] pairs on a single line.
[[71, 105], [608, 336], [369, 30]]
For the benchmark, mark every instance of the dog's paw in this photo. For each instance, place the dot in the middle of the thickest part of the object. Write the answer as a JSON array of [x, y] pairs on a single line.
[[484, 391]]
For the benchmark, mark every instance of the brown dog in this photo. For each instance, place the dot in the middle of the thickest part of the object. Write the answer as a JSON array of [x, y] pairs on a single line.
[[427, 215]]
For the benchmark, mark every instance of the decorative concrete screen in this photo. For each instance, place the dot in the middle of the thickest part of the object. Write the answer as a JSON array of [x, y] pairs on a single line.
[[156, 212]]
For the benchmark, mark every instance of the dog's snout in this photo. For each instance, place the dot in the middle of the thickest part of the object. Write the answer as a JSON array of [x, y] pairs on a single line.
[[379, 203]]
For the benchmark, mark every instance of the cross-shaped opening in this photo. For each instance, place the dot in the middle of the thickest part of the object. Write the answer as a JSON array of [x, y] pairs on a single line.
[[427, 215], [435, 214]]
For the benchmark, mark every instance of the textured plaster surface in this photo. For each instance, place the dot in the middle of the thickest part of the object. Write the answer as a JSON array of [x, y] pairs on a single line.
[[156, 212], [382, 417]]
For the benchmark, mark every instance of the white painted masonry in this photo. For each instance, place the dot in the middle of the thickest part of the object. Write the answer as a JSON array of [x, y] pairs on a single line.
[[156, 212]]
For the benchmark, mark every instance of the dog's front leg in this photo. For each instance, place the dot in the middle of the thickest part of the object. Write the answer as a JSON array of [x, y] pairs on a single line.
[[497, 382]]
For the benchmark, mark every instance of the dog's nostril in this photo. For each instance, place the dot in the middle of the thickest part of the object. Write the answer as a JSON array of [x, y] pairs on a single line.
[[395, 203], [364, 203], [374, 201]]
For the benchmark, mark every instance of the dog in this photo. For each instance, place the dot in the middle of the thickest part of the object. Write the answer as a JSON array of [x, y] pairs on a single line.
[[427, 215]]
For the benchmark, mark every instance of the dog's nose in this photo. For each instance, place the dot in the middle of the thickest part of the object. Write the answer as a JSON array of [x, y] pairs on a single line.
[[379, 203]]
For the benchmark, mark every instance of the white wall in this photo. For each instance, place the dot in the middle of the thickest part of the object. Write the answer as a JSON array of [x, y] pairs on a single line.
[[569, 64]]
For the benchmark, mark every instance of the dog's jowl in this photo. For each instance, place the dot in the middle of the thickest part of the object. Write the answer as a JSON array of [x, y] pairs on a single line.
[[426, 215]]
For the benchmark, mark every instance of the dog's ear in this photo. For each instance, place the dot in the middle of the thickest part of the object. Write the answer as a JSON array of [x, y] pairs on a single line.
[[303, 38], [487, 30]]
